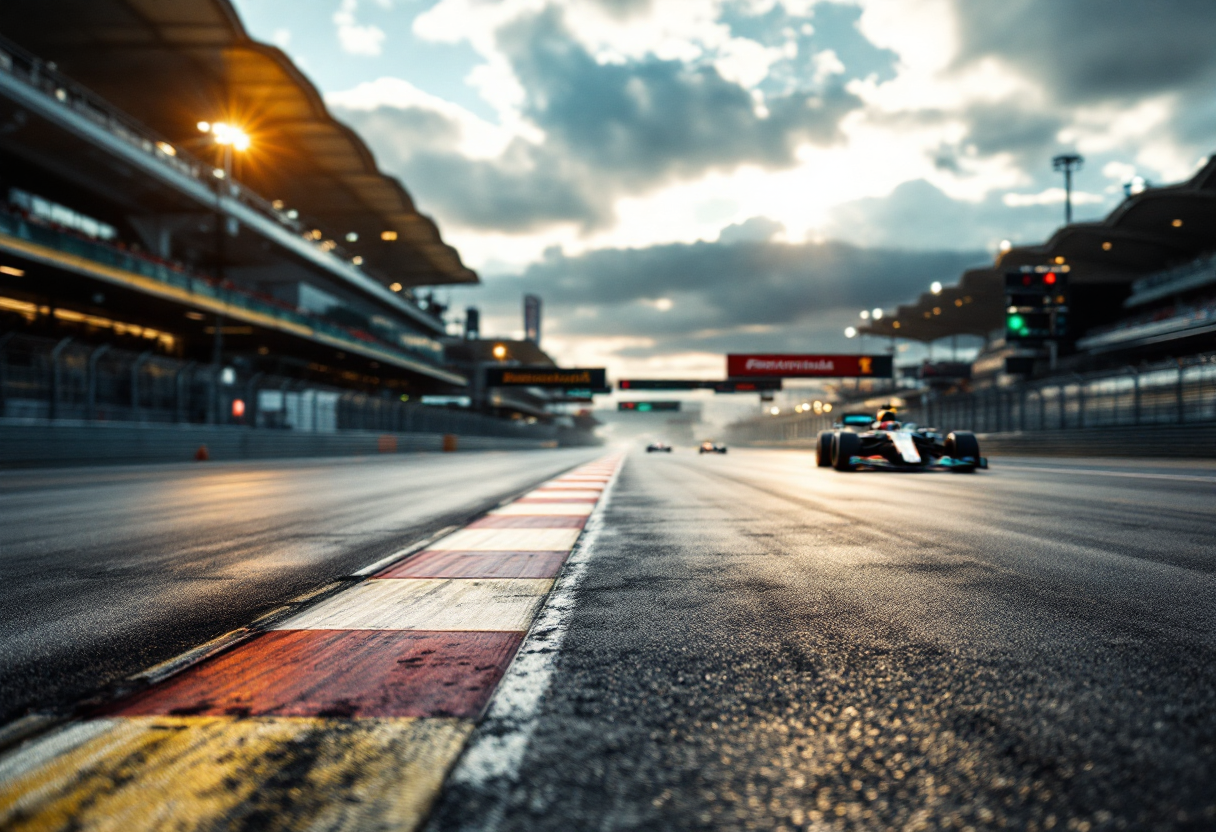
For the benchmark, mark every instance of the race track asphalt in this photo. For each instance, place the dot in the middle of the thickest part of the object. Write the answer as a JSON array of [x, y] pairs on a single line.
[[107, 571], [761, 644]]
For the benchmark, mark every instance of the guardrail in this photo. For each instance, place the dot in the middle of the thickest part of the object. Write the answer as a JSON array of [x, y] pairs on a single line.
[[44, 379]]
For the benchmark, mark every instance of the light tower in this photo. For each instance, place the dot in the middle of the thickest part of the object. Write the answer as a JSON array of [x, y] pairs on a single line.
[[1067, 162]]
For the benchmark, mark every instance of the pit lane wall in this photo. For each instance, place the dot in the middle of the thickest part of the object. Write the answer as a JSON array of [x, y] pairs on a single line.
[[42, 443]]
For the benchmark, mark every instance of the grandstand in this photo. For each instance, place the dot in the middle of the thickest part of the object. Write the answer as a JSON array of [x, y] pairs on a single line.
[[154, 267], [1143, 282]]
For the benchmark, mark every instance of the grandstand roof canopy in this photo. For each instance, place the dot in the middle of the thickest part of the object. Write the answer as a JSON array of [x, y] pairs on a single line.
[[1148, 232], [174, 64]]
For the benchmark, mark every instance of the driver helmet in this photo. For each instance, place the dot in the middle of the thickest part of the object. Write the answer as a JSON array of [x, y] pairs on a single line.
[[887, 420]]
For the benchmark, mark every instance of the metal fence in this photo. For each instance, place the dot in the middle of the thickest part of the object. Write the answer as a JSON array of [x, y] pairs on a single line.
[[1181, 392], [41, 378]]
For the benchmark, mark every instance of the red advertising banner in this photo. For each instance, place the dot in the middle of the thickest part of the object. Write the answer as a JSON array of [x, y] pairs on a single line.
[[809, 366]]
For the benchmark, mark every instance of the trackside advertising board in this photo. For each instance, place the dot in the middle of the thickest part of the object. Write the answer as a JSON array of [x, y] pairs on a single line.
[[809, 366], [576, 379]]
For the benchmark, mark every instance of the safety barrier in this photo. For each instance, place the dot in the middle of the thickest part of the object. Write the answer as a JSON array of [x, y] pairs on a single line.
[[34, 443], [41, 378]]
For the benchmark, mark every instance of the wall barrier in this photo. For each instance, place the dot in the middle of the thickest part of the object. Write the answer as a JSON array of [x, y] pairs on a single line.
[[39, 443]]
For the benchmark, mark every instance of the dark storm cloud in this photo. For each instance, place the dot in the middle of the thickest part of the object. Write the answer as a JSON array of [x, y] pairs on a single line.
[[652, 120], [1030, 136], [720, 293], [523, 188], [1086, 51], [610, 130], [918, 215]]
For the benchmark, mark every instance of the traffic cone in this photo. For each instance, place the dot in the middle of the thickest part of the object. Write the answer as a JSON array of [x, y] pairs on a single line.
[[201, 454]]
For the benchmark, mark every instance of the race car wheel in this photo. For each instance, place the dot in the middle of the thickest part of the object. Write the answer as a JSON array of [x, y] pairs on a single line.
[[823, 449], [845, 445], [961, 443]]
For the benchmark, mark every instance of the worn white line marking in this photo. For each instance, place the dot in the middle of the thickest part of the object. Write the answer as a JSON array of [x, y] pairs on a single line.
[[459, 604], [385, 562], [37, 752], [491, 761]]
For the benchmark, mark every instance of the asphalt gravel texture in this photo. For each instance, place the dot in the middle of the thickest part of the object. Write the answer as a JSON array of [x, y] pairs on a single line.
[[105, 572], [762, 644]]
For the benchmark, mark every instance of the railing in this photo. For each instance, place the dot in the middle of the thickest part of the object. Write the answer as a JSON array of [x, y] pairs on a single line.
[[1196, 274], [1183, 316], [172, 275], [43, 76], [1171, 393], [41, 378]]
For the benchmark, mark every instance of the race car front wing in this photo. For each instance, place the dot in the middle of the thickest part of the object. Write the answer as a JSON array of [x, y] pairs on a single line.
[[943, 462]]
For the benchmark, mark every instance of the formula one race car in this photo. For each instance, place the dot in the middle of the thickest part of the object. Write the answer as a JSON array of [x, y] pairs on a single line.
[[861, 442], [658, 446], [711, 448]]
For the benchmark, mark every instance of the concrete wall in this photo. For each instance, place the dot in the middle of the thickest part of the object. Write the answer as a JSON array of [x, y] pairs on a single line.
[[33, 443]]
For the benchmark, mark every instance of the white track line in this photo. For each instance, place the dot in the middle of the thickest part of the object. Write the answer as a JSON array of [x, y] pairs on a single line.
[[491, 761]]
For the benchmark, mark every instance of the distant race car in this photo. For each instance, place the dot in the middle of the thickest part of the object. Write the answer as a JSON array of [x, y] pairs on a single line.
[[711, 448], [859, 441], [658, 446]]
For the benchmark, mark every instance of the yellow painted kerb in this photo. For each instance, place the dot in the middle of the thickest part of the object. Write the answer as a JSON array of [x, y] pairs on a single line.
[[194, 773]]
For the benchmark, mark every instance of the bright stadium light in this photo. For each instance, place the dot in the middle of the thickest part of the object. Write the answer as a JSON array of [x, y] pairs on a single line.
[[231, 135], [876, 314], [850, 332], [865, 314], [1005, 246], [935, 287], [774, 410]]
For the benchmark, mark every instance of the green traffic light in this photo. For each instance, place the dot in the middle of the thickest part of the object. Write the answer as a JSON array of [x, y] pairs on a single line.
[[644, 406], [1016, 323]]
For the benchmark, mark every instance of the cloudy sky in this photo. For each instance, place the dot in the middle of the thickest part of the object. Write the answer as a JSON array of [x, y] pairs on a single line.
[[682, 178]]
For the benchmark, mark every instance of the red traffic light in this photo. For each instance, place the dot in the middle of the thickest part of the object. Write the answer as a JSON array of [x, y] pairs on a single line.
[[1049, 278]]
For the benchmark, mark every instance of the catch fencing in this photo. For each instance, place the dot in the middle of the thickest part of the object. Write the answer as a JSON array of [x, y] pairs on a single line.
[[67, 380], [1174, 393]]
